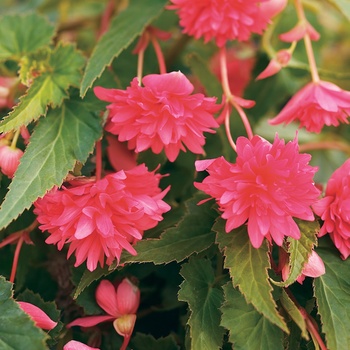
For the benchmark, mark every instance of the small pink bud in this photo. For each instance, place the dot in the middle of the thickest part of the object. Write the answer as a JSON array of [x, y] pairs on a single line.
[[276, 64], [77, 345], [313, 268], [128, 297], [39, 317], [272, 8], [9, 159]]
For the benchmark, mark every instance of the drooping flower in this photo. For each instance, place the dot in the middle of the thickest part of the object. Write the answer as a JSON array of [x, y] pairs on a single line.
[[40, 318], [9, 159], [334, 209], [281, 60], [316, 105], [101, 218], [267, 186], [160, 115], [240, 64], [77, 345], [120, 303], [313, 268], [221, 20]]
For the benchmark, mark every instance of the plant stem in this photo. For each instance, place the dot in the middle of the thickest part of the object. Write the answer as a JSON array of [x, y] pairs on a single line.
[[15, 259], [15, 139], [159, 54], [331, 145], [140, 59], [98, 160], [228, 130]]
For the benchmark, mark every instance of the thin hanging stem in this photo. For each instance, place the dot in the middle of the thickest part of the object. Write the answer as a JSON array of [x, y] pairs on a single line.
[[15, 259], [98, 160], [244, 118], [224, 76], [228, 130], [140, 59], [15, 139], [308, 44], [125, 342], [332, 145], [159, 54]]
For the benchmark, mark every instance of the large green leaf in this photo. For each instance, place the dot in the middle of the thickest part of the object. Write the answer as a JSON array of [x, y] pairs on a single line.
[[20, 35], [17, 330], [193, 234], [50, 88], [204, 300], [343, 6], [249, 270], [147, 342], [120, 35], [67, 134], [300, 250], [332, 291], [248, 328]]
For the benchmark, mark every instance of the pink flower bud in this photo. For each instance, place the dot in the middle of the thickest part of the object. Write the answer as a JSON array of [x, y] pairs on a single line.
[[9, 159], [128, 297], [77, 345], [272, 8], [276, 64], [37, 315], [313, 268]]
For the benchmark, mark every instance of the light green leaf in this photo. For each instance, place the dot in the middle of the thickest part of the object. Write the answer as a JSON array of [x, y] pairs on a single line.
[[147, 342], [119, 36], [332, 291], [193, 234], [17, 330], [343, 6], [21, 35], [204, 300], [294, 313], [67, 134], [248, 328], [249, 270], [300, 250], [50, 88]]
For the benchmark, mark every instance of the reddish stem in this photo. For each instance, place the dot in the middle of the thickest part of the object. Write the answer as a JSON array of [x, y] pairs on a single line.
[[332, 145], [228, 129], [106, 17], [125, 342], [140, 58], [159, 54], [98, 160], [15, 259]]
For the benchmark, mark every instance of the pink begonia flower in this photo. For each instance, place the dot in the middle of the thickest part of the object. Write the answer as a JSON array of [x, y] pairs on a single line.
[[160, 115], [316, 105], [299, 31], [267, 186], [9, 159], [101, 218], [120, 304], [276, 64], [77, 345], [221, 20], [39, 317], [334, 209], [313, 268], [272, 8], [240, 64]]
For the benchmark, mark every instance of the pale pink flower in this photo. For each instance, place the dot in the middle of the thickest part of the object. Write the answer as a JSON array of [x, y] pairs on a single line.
[[334, 209], [77, 345], [9, 159], [160, 115], [240, 64], [120, 303], [40, 318], [221, 20], [313, 268], [101, 218], [281, 60], [267, 186], [316, 105]]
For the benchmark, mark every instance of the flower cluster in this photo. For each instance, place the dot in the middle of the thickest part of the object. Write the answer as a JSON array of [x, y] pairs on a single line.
[[267, 186], [101, 218], [160, 115]]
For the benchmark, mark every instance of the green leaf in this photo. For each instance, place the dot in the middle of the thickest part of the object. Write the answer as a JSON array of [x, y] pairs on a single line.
[[147, 342], [248, 328], [21, 35], [17, 330], [193, 234], [343, 6], [294, 313], [249, 270], [119, 36], [332, 292], [66, 135], [204, 300], [50, 88], [300, 250]]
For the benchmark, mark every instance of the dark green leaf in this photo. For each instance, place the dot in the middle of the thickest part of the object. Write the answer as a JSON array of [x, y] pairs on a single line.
[[20, 35], [147, 342], [120, 35], [204, 300], [193, 234], [50, 88], [17, 330], [66, 135], [249, 270], [332, 292], [248, 328]]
